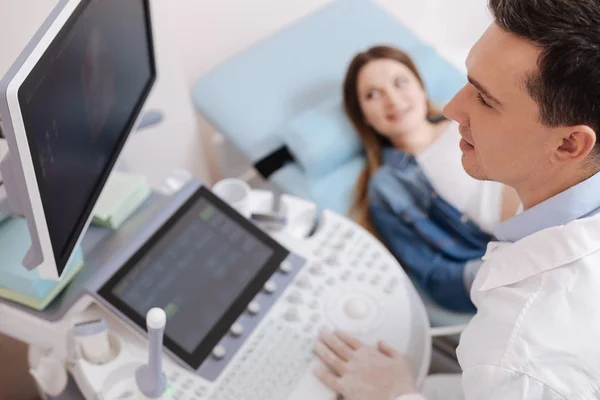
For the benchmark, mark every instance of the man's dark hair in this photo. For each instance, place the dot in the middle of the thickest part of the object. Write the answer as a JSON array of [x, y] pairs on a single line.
[[567, 87]]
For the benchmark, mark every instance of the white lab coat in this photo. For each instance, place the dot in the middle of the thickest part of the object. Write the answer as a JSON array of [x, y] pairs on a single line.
[[536, 334]]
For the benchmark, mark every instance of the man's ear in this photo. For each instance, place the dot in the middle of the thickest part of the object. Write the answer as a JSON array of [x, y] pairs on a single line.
[[575, 144]]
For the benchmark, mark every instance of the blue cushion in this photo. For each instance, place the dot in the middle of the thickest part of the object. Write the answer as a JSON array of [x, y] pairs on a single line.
[[272, 93], [322, 138], [333, 191]]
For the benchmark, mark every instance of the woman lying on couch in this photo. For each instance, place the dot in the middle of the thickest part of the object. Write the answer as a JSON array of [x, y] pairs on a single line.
[[414, 193]]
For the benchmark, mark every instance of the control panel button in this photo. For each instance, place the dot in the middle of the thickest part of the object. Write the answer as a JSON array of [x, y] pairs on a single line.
[[319, 291], [294, 298], [291, 315], [253, 308], [270, 287], [237, 329], [316, 269], [303, 284], [219, 352], [332, 260], [356, 308], [345, 275], [285, 267], [339, 246]]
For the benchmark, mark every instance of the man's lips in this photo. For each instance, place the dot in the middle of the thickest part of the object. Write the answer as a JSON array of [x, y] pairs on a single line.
[[464, 136]]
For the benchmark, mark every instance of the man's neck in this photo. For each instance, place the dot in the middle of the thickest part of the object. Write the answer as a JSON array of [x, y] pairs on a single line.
[[533, 193]]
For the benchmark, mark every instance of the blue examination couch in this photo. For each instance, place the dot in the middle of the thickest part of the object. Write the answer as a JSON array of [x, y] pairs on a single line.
[[279, 102]]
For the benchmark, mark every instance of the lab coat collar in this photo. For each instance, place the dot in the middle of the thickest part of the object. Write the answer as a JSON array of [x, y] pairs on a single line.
[[508, 263]]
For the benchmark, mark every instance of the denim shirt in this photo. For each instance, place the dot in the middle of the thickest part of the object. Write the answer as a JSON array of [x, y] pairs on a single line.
[[430, 237]]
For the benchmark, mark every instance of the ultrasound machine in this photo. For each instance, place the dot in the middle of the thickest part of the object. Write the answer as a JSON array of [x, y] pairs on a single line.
[[189, 300]]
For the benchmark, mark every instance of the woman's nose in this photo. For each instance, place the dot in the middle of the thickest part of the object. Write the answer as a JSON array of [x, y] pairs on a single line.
[[395, 100]]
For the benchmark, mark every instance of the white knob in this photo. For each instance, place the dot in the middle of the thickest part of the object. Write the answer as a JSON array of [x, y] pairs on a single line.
[[237, 329], [270, 287], [219, 352], [356, 308], [156, 318], [285, 267], [253, 308]]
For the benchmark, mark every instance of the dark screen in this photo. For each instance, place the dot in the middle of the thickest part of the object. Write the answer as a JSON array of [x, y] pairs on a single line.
[[202, 268], [203, 263], [79, 105]]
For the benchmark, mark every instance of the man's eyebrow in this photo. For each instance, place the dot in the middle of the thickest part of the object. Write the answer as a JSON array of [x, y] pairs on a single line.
[[484, 91]]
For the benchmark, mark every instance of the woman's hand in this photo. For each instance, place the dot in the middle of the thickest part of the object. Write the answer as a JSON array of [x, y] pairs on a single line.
[[359, 372]]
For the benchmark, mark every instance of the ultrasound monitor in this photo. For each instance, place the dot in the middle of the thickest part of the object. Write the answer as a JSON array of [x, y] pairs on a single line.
[[67, 107]]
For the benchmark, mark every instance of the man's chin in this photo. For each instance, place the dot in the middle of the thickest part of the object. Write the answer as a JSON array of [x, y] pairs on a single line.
[[473, 170]]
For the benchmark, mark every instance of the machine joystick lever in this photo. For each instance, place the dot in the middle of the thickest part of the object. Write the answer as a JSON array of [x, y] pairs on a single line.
[[150, 378]]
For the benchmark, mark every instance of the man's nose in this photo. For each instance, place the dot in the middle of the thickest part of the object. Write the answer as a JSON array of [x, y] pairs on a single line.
[[456, 109]]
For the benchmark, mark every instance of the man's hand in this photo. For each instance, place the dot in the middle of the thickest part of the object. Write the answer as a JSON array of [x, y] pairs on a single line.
[[359, 372]]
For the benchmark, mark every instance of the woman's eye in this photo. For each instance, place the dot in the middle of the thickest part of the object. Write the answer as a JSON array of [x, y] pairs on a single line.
[[372, 94], [400, 81]]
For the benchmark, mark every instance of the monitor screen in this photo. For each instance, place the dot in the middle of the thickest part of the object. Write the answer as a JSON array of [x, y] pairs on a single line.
[[203, 268], [79, 104]]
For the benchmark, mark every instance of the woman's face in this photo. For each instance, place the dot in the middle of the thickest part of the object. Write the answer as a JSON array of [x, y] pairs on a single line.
[[391, 98]]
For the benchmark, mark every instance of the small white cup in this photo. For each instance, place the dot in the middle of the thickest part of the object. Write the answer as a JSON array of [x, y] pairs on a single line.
[[234, 192]]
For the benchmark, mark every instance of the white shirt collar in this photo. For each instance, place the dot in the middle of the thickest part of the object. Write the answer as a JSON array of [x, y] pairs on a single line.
[[578, 201], [509, 263]]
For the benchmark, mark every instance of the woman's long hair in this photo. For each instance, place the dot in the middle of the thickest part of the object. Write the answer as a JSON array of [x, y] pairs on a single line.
[[372, 141]]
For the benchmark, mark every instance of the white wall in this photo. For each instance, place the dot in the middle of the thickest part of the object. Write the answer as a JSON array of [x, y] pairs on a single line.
[[193, 36], [210, 31], [155, 152]]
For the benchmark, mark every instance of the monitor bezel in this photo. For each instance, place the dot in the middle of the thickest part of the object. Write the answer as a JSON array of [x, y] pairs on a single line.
[[195, 358], [51, 267]]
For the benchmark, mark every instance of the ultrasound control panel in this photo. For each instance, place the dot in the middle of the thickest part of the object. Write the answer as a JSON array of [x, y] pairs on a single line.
[[243, 311]]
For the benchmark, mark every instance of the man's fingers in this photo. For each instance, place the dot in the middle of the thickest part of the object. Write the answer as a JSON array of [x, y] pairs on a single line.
[[341, 348], [330, 359], [328, 378], [388, 350], [351, 341]]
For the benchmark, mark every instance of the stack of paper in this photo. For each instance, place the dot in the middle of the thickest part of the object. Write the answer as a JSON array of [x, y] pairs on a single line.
[[19, 284], [122, 195]]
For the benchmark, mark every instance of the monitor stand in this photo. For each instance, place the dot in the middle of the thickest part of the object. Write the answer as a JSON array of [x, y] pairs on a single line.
[[5, 211], [20, 252]]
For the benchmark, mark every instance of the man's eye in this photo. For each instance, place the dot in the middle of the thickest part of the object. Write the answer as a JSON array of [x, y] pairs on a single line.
[[482, 100]]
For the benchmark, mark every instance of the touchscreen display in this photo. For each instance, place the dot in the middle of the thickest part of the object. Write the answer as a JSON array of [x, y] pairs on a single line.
[[202, 270]]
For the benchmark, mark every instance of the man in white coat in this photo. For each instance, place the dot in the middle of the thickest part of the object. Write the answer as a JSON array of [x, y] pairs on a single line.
[[529, 118]]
